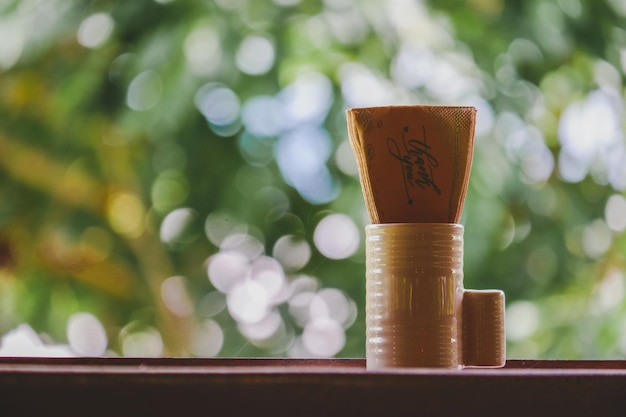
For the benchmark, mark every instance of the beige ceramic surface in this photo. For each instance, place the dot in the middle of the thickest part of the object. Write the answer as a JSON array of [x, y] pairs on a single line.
[[484, 343], [414, 289]]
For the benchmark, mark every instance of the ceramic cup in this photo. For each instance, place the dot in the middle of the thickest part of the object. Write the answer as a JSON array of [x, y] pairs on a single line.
[[414, 301], [414, 287]]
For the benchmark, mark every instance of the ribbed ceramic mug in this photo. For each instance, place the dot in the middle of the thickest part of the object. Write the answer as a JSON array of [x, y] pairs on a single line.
[[418, 315], [414, 287]]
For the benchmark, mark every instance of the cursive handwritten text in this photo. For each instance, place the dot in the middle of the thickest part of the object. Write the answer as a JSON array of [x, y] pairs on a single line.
[[418, 164]]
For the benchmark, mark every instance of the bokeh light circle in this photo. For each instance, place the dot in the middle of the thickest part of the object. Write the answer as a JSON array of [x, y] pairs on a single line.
[[86, 335], [292, 252], [255, 55], [248, 302], [175, 297], [207, 339], [218, 104], [227, 269], [336, 236], [323, 337]]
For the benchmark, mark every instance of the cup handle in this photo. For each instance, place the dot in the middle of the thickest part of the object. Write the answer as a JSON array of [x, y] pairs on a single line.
[[483, 329]]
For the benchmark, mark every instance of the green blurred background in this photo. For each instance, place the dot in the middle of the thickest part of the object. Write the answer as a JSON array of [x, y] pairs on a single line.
[[175, 176]]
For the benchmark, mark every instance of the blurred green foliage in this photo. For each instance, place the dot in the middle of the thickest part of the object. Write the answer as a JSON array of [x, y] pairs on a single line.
[[131, 130]]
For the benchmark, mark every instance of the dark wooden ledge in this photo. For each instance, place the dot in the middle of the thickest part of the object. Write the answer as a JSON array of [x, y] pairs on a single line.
[[294, 387]]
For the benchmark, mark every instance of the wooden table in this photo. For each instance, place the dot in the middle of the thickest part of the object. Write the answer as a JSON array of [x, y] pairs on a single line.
[[294, 387]]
